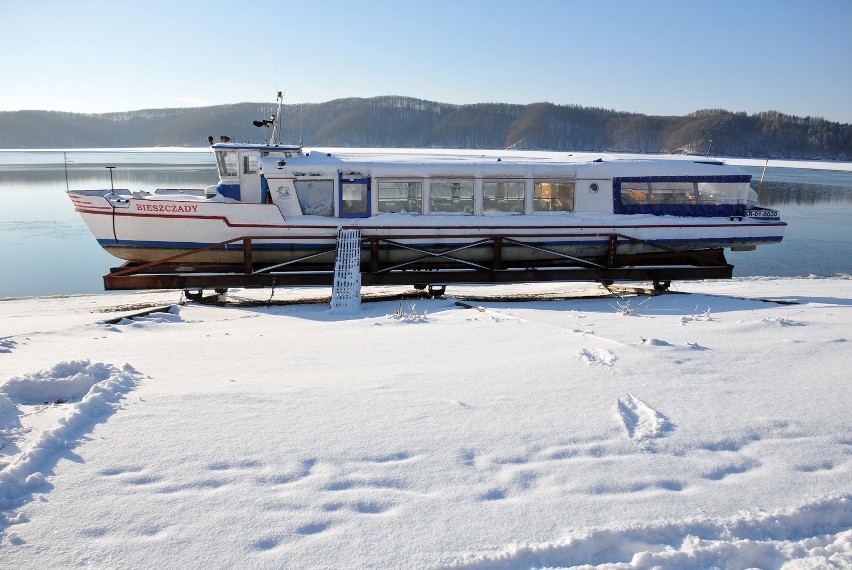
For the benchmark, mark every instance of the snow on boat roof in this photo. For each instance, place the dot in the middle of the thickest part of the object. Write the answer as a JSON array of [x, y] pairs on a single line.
[[495, 163], [260, 147]]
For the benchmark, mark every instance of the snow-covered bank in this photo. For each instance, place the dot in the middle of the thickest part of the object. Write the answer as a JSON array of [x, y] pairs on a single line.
[[702, 429]]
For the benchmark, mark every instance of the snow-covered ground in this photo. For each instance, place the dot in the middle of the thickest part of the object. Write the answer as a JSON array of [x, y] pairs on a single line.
[[708, 429]]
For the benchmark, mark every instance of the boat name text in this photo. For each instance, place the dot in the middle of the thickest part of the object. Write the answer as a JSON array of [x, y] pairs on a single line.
[[166, 208]]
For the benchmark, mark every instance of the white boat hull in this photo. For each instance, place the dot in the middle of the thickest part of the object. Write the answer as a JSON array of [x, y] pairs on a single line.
[[145, 229]]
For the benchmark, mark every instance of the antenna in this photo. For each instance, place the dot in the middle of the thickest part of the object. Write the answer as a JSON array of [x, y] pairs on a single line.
[[760, 186], [276, 119], [111, 185], [709, 148], [65, 160], [276, 73]]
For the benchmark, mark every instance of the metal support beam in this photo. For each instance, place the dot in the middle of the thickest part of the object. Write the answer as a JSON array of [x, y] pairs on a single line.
[[247, 260], [610, 254], [497, 262], [374, 254], [427, 267]]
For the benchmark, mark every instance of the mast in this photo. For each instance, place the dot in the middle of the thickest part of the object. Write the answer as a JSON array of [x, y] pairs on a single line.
[[276, 118], [760, 186]]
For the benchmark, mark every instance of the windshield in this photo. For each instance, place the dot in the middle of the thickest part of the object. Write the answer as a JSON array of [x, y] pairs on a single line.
[[226, 161]]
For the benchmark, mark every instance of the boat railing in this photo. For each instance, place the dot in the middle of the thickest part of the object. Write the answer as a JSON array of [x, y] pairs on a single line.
[[187, 191]]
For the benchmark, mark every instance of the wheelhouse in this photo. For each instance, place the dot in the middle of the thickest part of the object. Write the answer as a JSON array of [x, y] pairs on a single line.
[[238, 167]]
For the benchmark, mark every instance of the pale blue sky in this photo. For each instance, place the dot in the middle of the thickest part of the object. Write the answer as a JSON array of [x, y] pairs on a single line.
[[652, 56]]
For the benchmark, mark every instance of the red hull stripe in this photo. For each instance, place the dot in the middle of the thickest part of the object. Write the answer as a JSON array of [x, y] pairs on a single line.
[[230, 224]]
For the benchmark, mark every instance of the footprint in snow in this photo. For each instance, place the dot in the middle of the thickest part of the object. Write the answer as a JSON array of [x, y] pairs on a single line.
[[371, 508], [390, 457], [582, 332], [814, 467], [115, 471], [312, 528], [654, 342], [493, 495], [267, 543], [597, 356], [724, 471], [641, 421], [782, 322]]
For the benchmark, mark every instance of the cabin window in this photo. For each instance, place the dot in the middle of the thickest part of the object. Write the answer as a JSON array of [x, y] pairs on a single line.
[[400, 196], [553, 196], [502, 197], [250, 164], [282, 154], [681, 196], [722, 193], [451, 197], [355, 199], [316, 197], [678, 192], [226, 161]]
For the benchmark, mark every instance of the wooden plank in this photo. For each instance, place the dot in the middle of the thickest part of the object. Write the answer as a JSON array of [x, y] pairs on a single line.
[[145, 313]]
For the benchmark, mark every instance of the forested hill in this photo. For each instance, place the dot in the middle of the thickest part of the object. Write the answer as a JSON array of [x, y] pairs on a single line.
[[406, 122]]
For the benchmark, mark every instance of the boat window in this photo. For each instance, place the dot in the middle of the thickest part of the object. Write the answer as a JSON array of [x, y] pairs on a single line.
[[553, 196], [281, 153], [720, 193], [355, 198], [677, 192], [403, 196], [226, 161], [503, 197], [250, 164], [451, 196], [684, 192], [681, 196], [316, 197]]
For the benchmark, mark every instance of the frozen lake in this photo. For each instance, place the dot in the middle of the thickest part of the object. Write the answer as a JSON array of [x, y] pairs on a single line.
[[47, 250]]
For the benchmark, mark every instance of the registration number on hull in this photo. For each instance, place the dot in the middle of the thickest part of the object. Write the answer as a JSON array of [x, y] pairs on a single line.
[[762, 213]]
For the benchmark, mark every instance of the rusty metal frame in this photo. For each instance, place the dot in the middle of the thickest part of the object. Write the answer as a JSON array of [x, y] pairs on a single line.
[[175, 272]]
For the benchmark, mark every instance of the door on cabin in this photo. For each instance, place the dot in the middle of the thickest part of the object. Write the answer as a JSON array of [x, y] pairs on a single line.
[[354, 197], [250, 177]]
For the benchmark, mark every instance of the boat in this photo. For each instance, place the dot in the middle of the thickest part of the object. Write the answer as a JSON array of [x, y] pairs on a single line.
[[277, 205]]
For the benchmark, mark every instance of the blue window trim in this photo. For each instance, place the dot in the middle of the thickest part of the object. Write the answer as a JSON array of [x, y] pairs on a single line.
[[341, 180], [264, 189], [689, 210]]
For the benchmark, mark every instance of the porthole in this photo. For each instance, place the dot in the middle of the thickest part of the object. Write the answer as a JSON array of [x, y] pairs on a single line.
[[593, 188]]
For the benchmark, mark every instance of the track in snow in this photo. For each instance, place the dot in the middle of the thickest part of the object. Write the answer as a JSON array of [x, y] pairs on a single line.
[[641, 421]]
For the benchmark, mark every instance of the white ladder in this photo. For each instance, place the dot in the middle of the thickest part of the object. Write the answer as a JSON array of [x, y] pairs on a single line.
[[346, 294]]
